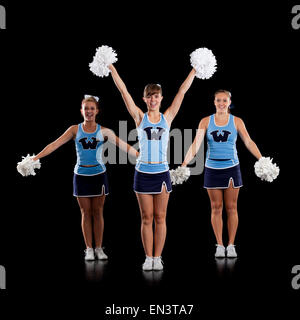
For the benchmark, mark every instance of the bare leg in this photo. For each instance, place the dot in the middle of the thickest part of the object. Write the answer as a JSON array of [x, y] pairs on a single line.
[[160, 212], [230, 198], [216, 202], [146, 209], [85, 205], [98, 221]]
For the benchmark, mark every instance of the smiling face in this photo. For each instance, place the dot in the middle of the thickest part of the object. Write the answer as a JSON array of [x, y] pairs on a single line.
[[153, 101], [153, 96], [89, 110], [222, 101]]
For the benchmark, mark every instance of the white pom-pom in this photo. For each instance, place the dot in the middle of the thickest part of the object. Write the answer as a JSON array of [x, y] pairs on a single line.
[[103, 57], [265, 169], [180, 175], [204, 62], [27, 166]]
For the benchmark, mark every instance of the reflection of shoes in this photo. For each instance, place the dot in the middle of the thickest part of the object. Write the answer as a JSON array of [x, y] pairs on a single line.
[[157, 263], [148, 276], [230, 251], [220, 252], [230, 263], [89, 254], [100, 254], [157, 276], [148, 264], [89, 270], [100, 269]]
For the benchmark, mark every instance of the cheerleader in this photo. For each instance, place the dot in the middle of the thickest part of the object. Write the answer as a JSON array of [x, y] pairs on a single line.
[[222, 175], [152, 183], [90, 184]]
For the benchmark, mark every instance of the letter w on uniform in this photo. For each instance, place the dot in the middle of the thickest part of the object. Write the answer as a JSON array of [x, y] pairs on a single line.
[[154, 134], [89, 144], [220, 136]]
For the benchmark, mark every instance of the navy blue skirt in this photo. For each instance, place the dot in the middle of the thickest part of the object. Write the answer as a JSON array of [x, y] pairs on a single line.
[[220, 178], [151, 183], [90, 186]]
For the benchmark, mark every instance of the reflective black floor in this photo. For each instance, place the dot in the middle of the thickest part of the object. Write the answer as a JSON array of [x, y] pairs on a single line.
[[257, 283], [184, 278], [253, 284]]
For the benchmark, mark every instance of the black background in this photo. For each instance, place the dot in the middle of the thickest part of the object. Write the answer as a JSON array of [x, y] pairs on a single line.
[[45, 52]]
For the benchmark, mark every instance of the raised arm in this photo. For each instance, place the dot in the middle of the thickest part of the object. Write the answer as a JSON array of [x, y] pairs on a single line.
[[193, 149], [135, 112], [249, 143], [68, 135], [171, 112], [119, 142]]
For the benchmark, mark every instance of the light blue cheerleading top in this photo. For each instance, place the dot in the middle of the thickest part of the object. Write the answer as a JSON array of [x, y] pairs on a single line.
[[221, 144], [89, 147], [153, 143]]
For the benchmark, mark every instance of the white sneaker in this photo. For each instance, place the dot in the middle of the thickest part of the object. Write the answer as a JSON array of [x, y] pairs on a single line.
[[148, 264], [100, 255], [157, 263], [220, 251], [89, 254], [230, 251]]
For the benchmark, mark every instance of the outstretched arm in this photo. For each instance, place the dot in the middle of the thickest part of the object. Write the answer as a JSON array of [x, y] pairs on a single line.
[[135, 112], [171, 112], [194, 148], [249, 143], [119, 142], [68, 135]]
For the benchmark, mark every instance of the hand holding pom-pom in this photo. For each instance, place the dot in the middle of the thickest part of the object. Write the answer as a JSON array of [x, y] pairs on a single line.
[[204, 62], [102, 59], [265, 169], [27, 165], [180, 175]]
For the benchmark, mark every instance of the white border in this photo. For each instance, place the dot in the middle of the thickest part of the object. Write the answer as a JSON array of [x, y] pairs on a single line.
[[138, 127], [225, 124], [163, 183], [94, 195], [160, 114], [151, 172], [81, 125], [90, 175], [225, 187], [221, 168], [233, 117]]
